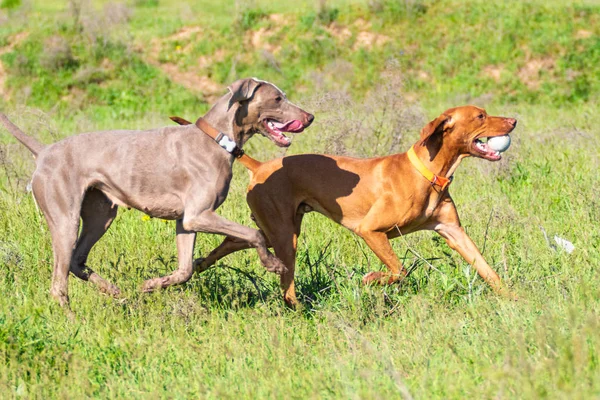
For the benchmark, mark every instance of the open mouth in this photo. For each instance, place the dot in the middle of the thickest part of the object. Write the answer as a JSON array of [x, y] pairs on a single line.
[[482, 148], [276, 130]]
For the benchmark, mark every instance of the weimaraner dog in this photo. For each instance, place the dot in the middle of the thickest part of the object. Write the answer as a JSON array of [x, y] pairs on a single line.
[[175, 173]]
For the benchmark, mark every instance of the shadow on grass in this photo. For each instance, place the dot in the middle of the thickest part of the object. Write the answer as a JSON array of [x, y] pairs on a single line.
[[321, 283], [228, 287]]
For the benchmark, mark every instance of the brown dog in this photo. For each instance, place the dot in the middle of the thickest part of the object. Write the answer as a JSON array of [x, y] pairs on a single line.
[[377, 198]]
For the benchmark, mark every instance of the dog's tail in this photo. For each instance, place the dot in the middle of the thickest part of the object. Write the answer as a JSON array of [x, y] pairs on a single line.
[[33, 145], [247, 161]]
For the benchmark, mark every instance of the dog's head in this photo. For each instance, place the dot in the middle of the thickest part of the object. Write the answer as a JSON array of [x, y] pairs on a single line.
[[263, 107], [466, 129]]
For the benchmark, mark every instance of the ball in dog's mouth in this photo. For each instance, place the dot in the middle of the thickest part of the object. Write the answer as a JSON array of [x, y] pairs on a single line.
[[499, 143], [276, 130], [491, 147]]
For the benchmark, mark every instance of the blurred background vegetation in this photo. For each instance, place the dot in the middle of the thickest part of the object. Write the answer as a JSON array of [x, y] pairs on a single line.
[[120, 60]]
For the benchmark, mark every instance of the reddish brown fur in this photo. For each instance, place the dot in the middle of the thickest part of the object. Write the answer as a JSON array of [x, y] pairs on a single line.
[[378, 198]]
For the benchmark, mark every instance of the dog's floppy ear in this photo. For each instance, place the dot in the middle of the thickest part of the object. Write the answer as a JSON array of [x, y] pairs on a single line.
[[242, 89], [434, 128]]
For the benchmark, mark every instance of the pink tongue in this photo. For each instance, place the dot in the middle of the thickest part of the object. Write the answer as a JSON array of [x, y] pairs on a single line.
[[292, 126]]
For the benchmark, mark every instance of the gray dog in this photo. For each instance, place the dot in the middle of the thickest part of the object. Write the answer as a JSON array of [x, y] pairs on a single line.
[[175, 173]]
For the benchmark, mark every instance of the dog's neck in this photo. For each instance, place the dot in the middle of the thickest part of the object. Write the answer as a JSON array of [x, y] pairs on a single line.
[[442, 162], [223, 118]]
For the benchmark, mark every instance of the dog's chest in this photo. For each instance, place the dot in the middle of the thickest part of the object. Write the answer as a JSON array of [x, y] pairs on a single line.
[[431, 203]]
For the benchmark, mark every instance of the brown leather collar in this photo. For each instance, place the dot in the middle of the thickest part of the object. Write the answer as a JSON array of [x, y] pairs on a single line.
[[222, 140]]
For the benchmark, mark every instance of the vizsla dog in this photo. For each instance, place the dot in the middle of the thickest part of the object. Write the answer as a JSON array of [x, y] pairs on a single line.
[[378, 198], [175, 173]]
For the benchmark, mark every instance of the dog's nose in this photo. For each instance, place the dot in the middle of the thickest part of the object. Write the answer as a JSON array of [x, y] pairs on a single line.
[[309, 119], [512, 122]]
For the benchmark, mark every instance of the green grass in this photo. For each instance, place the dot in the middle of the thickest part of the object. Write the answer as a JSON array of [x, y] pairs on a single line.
[[226, 333]]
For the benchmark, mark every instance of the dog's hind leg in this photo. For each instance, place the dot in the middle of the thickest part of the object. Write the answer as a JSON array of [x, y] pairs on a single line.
[[285, 249], [62, 215], [282, 232], [185, 254], [64, 236], [229, 245], [210, 222], [97, 213]]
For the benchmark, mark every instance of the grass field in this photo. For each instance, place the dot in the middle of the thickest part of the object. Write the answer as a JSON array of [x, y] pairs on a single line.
[[373, 72]]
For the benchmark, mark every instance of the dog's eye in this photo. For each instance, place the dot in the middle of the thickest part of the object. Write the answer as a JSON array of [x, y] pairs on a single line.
[[481, 116], [278, 99]]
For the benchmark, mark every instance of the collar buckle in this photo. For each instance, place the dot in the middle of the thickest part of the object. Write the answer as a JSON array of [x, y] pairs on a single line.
[[447, 183], [222, 140]]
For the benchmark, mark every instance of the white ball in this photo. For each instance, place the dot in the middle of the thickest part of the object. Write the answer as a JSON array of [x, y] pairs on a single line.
[[499, 143]]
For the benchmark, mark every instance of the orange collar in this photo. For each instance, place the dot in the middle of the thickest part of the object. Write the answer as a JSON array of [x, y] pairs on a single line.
[[430, 176]]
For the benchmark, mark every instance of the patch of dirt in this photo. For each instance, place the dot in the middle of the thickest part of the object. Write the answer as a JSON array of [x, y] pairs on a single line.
[[493, 71], [184, 33], [424, 76], [583, 34], [362, 24], [368, 40], [209, 89], [193, 82], [13, 41], [364, 38], [529, 74], [341, 33], [190, 80], [279, 19], [260, 39], [107, 65]]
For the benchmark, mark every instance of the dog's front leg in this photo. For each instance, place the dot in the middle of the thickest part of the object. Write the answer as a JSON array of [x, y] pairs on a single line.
[[446, 223], [185, 253], [380, 244], [458, 240], [371, 230], [210, 222]]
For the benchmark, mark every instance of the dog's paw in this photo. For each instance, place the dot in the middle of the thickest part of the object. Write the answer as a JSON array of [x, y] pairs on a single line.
[[151, 285], [200, 265], [508, 294], [275, 265], [381, 278], [373, 277], [110, 290], [291, 302], [504, 291]]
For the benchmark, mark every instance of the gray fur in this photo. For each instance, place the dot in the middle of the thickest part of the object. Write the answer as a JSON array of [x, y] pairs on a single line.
[[175, 173]]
